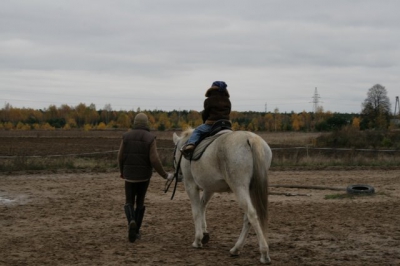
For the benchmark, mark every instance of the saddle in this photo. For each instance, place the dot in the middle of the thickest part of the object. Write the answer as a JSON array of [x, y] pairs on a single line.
[[219, 128]]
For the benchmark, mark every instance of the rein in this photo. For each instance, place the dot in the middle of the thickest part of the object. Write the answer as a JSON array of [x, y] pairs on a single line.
[[168, 183]]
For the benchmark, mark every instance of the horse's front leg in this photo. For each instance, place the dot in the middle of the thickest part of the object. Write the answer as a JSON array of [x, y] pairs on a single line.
[[199, 206], [194, 196]]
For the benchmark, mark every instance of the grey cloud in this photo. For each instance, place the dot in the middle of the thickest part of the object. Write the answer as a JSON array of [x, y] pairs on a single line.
[[281, 44]]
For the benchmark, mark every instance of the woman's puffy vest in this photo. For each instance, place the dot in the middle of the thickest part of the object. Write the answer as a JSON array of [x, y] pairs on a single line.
[[136, 154]]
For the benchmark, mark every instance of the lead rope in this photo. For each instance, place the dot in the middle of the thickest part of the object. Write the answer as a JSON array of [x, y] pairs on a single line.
[[168, 184]]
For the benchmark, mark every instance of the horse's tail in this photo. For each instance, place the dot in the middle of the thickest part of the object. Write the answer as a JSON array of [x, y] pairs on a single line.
[[259, 180]]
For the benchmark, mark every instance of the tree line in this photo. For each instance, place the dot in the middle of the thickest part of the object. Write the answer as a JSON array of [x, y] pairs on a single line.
[[374, 115]]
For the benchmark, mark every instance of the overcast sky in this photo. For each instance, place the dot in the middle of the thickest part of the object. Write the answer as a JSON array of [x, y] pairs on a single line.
[[159, 54]]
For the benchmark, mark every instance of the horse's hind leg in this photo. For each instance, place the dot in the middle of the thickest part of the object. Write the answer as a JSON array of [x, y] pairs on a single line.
[[249, 210], [204, 202], [235, 251]]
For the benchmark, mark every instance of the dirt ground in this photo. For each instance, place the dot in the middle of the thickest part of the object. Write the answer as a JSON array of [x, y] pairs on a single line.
[[78, 219]]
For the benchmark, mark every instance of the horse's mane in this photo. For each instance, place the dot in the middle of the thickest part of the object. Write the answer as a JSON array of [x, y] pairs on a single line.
[[188, 131]]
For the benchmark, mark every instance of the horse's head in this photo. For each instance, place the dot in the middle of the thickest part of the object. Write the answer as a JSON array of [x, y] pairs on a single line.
[[180, 140]]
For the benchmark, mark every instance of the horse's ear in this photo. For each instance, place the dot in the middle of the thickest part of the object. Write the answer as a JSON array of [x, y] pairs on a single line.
[[175, 137]]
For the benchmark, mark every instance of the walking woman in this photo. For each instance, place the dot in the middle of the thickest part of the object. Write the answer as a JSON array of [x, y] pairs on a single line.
[[137, 157]]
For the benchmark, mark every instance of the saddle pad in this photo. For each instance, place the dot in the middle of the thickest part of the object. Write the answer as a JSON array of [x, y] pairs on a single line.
[[201, 147]]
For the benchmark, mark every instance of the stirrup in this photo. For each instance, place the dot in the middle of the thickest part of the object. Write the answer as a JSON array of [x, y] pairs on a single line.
[[187, 153]]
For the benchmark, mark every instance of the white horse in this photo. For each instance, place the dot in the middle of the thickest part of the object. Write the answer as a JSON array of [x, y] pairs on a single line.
[[235, 162]]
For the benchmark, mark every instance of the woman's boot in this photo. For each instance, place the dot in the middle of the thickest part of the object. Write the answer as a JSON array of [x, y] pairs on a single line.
[[139, 219], [132, 226]]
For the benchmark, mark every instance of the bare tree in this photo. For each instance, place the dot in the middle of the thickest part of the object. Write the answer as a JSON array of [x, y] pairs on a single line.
[[376, 108]]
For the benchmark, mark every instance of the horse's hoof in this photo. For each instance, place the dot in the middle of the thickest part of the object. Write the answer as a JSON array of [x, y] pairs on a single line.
[[234, 252], [206, 238], [265, 260], [195, 245]]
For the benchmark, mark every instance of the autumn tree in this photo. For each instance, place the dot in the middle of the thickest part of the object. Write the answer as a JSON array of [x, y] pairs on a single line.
[[235, 126], [34, 117], [52, 112], [15, 115], [101, 126], [123, 120], [79, 114], [91, 115], [163, 122], [175, 118], [269, 122], [305, 120], [22, 126], [296, 123], [53, 117], [250, 127], [152, 120], [318, 117], [255, 124], [8, 126], [65, 111], [194, 118], [376, 108], [356, 123], [71, 123]]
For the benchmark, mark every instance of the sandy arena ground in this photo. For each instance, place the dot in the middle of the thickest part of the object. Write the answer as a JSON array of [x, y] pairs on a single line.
[[78, 219]]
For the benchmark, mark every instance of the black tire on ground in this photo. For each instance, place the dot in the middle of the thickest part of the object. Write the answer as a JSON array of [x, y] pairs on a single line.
[[360, 189]]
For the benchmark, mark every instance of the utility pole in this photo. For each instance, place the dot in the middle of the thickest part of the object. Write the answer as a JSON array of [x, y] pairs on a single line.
[[396, 107], [265, 107]]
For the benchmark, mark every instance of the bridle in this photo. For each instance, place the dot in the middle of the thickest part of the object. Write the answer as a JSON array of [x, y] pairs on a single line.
[[177, 167]]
